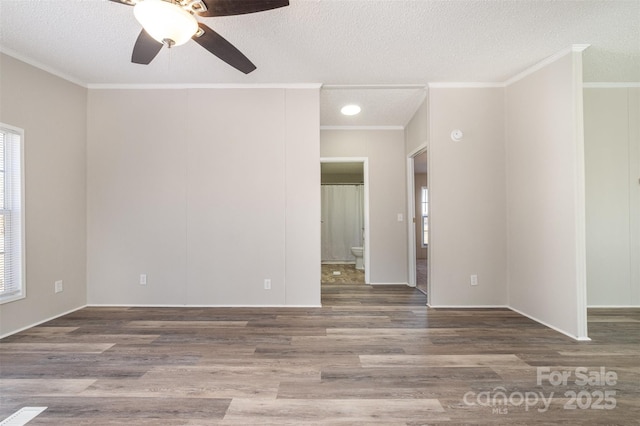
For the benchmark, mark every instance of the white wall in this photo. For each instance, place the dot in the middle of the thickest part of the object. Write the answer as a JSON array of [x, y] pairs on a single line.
[[387, 195], [168, 197], [544, 200], [416, 134], [467, 234], [52, 113], [208, 191], [417, 130], [612, 159]]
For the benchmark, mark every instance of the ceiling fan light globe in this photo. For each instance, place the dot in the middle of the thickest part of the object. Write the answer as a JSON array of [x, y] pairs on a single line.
[[165, 21]]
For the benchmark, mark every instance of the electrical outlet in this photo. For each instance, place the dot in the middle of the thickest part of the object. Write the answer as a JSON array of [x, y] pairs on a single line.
[[143, 279], [474, 280], [267, 284], [58, 286]]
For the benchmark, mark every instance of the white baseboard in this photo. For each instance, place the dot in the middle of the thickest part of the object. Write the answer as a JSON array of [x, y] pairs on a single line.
[[41, 322], [580, 339], [407, 284], [468, 306], [119, 305], [613, 306]]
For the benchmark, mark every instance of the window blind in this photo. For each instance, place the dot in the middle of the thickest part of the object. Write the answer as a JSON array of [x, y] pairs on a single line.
[[11, 245]]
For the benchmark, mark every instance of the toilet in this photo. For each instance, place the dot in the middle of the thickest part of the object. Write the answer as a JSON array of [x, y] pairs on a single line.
[[357, 252]]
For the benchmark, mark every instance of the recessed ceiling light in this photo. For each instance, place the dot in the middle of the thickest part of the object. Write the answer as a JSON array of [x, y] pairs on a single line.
[[350, 110]]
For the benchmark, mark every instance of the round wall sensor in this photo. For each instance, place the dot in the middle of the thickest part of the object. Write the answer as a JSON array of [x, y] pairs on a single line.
[[456, 135]]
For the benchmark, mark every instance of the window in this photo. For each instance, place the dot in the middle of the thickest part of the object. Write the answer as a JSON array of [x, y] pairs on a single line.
[[425, 216], [11, 215]]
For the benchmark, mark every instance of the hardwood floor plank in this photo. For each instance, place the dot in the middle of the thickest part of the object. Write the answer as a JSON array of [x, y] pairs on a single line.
[[190, 325], [370, 355], [119, 411], [47, 331], [228, 373], [42, 387], [158, 387], [333, 411], [82, 348], [115, 339], [411, 373], [472, 360]]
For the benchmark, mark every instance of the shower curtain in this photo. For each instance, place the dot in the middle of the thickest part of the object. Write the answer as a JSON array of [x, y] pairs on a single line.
[[342, 221]]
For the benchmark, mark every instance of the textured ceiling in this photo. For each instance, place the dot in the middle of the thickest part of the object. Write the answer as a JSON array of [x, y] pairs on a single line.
[[381, 43], [392, 106]]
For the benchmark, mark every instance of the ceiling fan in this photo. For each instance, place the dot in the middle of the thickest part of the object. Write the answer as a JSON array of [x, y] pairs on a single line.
[[172, 23]]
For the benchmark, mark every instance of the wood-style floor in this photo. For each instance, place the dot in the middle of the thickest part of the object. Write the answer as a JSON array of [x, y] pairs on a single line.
[[371, 355]]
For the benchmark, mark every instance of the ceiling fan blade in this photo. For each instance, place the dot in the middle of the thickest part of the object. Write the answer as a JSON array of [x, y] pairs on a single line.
[[219, 46], [127, 2], [145, 49], [239, 7]]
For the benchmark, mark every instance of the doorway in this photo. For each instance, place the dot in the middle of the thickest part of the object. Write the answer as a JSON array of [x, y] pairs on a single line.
[[345, 219], [418, 196]]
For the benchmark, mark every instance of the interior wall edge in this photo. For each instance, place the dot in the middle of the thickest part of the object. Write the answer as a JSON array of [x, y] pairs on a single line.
[[551, 326], [12, 332]]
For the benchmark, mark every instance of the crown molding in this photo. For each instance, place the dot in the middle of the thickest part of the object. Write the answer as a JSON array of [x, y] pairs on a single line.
[[41, 66], [203, 86], [464, 85], [373, 86], [361, 127], [547, 61]]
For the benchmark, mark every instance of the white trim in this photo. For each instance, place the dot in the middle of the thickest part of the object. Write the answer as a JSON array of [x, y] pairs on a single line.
[[23, 218], [602, 85], [126, 305], [13, 128], [110, 86], [373, 86], [579, 47], [405, 284], [42, 322], [551, 59], [465, 85], [419, 150], [468, 306], [579, 201], [367, 223], [361, 127], [100, 86], [18, 296], [42, 67], [613, 306], [367, 239], [579, 338], [411, 221], [411, 209]]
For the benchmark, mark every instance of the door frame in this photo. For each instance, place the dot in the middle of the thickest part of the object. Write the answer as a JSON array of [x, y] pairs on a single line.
[[367, 240], [411, 227]]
